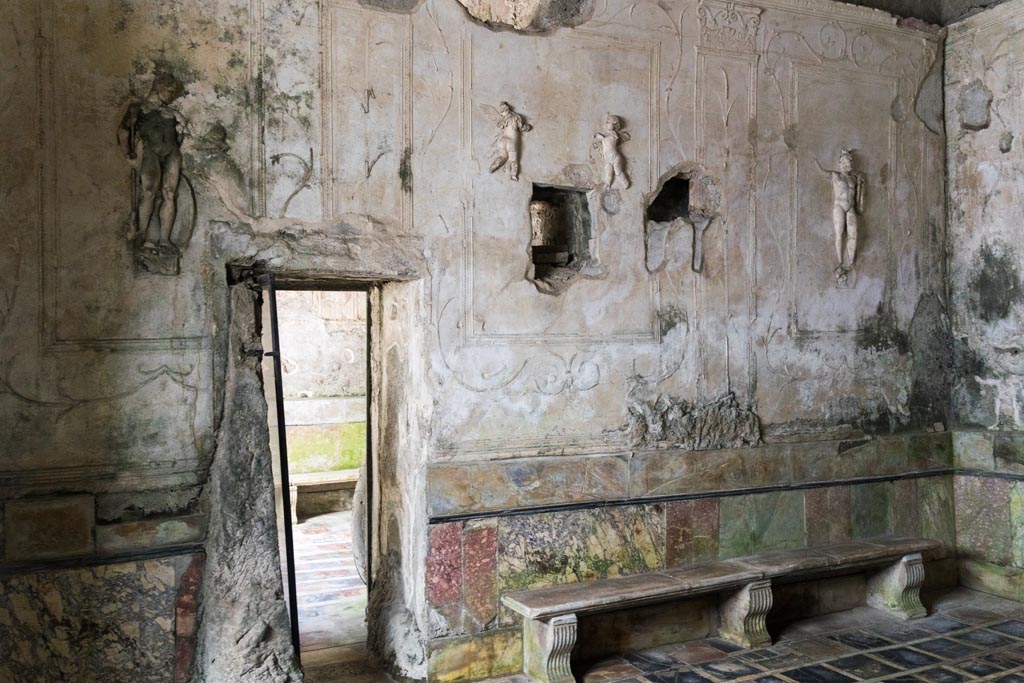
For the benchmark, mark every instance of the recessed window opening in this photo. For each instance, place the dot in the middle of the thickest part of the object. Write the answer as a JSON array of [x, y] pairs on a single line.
[[561, 235], [323, 340], [672, 202]]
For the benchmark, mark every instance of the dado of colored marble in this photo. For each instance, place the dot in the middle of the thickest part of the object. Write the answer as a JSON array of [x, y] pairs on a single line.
[[553, 548], [983, 519], [937, 514], [691, 531], [761, 522], [827, 513], [90, 624], [973, 450], [871, 509], [472, 658], [534, 482], [1009, 453]]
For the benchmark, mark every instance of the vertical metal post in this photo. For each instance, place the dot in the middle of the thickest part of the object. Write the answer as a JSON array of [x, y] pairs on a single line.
[[370, 293], [266, 280]]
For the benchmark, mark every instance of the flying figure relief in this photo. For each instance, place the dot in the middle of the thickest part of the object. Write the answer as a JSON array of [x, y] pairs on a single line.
[[511, 127], [848, 187], [615, 176]]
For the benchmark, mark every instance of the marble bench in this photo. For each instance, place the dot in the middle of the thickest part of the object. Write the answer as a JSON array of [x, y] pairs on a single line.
[[895, 568]]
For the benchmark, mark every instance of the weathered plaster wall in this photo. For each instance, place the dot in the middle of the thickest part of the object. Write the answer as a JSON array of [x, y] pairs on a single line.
[[985, 105], [368, 161]]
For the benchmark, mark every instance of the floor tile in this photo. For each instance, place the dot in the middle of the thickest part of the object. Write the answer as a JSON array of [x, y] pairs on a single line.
[[943, 675], [683, 676], [906, 658], [946, 648], [942, 624], [978, 669], [651, 661], [816, 673], [695, 653], [821, 648], [985, 638], [729, 669], [1013, 628], [863, 666], [862, 640]]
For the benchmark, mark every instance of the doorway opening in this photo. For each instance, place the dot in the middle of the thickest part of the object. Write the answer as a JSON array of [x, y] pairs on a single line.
[[319, 438]]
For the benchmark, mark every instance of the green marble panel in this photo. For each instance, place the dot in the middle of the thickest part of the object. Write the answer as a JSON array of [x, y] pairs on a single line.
[[564, 547], [1017, 523], [983, 519], [761, 522], [477, 657], [938, 515], [871, 509], [973, 450]]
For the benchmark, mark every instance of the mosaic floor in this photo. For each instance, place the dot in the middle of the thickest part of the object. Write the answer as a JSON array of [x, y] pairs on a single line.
[[968, 636], [332, 598]]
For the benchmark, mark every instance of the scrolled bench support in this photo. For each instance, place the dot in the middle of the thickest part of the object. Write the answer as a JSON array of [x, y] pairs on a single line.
[[743, 613], [897, 589], [547, 646]]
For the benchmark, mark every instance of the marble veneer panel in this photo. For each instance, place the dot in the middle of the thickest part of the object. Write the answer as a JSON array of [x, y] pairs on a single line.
[[983, 530], [937, 512], [532, 482], [107, 623], [756, 523], [1008, 453], [495, 486], [554, 548]]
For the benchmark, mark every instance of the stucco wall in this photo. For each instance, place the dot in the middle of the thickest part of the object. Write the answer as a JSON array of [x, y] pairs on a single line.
[[113, 379], [984, 81]]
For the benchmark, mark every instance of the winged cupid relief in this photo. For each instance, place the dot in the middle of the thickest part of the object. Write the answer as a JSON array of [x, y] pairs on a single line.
[[505, 148]]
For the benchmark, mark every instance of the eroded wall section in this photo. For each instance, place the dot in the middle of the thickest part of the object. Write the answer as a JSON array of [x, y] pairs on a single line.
[[985, 106]]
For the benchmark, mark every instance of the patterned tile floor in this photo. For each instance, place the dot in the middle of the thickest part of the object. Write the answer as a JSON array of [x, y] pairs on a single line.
[[968, 636], [331, 596]]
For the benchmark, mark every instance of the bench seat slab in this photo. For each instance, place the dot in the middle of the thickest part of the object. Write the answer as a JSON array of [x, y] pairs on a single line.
[[897, 588], [743, 615], [547, 647]]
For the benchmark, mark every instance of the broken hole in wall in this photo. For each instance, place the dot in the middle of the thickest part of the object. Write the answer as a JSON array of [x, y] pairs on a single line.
[[561, 236], [672, 202]]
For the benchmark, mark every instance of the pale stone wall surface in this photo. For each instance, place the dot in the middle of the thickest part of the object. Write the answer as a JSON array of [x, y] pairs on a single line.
[[985, 120]]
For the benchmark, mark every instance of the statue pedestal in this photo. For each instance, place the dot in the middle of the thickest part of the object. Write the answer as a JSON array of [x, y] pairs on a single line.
[[158, 262]]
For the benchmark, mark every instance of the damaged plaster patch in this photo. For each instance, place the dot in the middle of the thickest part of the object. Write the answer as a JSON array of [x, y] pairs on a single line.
[[975, 106], [722, 423], [995, 285], [929, 105], [404, 6], [530, 16], [1006, 142]]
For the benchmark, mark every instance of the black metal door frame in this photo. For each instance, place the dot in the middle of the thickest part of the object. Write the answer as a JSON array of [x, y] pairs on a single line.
[[266, 281]]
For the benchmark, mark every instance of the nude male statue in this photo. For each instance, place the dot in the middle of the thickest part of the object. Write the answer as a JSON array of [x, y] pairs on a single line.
[[614, 164], [510, 126], [150, 134], [848, 202]]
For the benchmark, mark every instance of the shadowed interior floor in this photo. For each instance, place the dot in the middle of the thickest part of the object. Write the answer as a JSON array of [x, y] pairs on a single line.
[[331, 596]]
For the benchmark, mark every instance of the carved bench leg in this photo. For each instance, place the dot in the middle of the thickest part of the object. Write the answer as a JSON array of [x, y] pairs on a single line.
[[897, 589], [743, 615], [547, 646]]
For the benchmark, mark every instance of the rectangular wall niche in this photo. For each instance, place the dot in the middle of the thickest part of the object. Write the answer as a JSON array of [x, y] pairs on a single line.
[[561, 233]]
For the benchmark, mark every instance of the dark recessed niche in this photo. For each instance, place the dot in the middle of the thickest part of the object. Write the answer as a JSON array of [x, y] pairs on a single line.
[[672, 202], [560, 243]]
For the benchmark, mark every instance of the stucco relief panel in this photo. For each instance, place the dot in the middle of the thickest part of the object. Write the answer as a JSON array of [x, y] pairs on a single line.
[[367, 95], [856, 107], [500, 304]]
